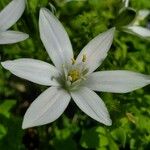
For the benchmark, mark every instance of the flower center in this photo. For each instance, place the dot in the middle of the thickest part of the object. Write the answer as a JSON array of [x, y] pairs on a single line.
[[74, 75]]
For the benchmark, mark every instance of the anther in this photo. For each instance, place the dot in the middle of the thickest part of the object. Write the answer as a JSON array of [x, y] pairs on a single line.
[[74, 74], [84, 58], [69, 78], [73, 61]]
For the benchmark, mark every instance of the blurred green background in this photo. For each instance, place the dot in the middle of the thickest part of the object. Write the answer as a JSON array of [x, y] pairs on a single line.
[[74, 130]]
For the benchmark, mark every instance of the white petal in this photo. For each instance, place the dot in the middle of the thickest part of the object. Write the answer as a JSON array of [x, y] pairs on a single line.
[[33, 70], [11, 13], [55, 39], [90, 103], [142, 14], [116, 81], [139, 31], [126, 2], [96, 50], [9, 37], [46, 108]]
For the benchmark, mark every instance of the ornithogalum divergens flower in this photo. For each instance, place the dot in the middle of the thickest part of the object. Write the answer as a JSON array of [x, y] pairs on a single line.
[[71, 78], [9, 16]]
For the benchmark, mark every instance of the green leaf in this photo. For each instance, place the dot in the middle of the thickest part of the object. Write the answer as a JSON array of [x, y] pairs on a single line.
[[3, 131], [64, 137], [112, 145], [13, 138], [65, 144], [119, 135], [94, 138], [143, 123], [90, 139], [6, 106]]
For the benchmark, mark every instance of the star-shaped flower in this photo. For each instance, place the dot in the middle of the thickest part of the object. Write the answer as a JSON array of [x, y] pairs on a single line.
[[9, 16], [70, 77]]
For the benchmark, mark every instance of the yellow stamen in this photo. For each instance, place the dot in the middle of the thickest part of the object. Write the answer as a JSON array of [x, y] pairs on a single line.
[[74, 75], [73, 61], [131, 117], [70, 78], [84, 58]]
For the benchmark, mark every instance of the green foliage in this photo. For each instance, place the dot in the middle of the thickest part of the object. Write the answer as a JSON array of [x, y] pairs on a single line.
[[6, 106], [125, 17], [12, 134], [3, 131], [130, 113], [94, 138]]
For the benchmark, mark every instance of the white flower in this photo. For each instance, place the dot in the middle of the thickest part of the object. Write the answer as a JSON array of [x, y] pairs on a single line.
[[9, 16], [134, 27], [71, 78]]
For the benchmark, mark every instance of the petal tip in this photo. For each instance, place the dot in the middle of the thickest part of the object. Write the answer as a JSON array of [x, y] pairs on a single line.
[[43, 10], [5, 64], [26, 125], [26, 36], [113, 29], [109, 122]]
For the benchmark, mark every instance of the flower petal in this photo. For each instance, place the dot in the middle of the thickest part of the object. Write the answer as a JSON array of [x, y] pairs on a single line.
[[96, 50], [9, 37], [33, 70], [126, 3], [55, 39], [89, 102], [116, 81], [138, 30], [142, 14], [46, 108], [11, 13]]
